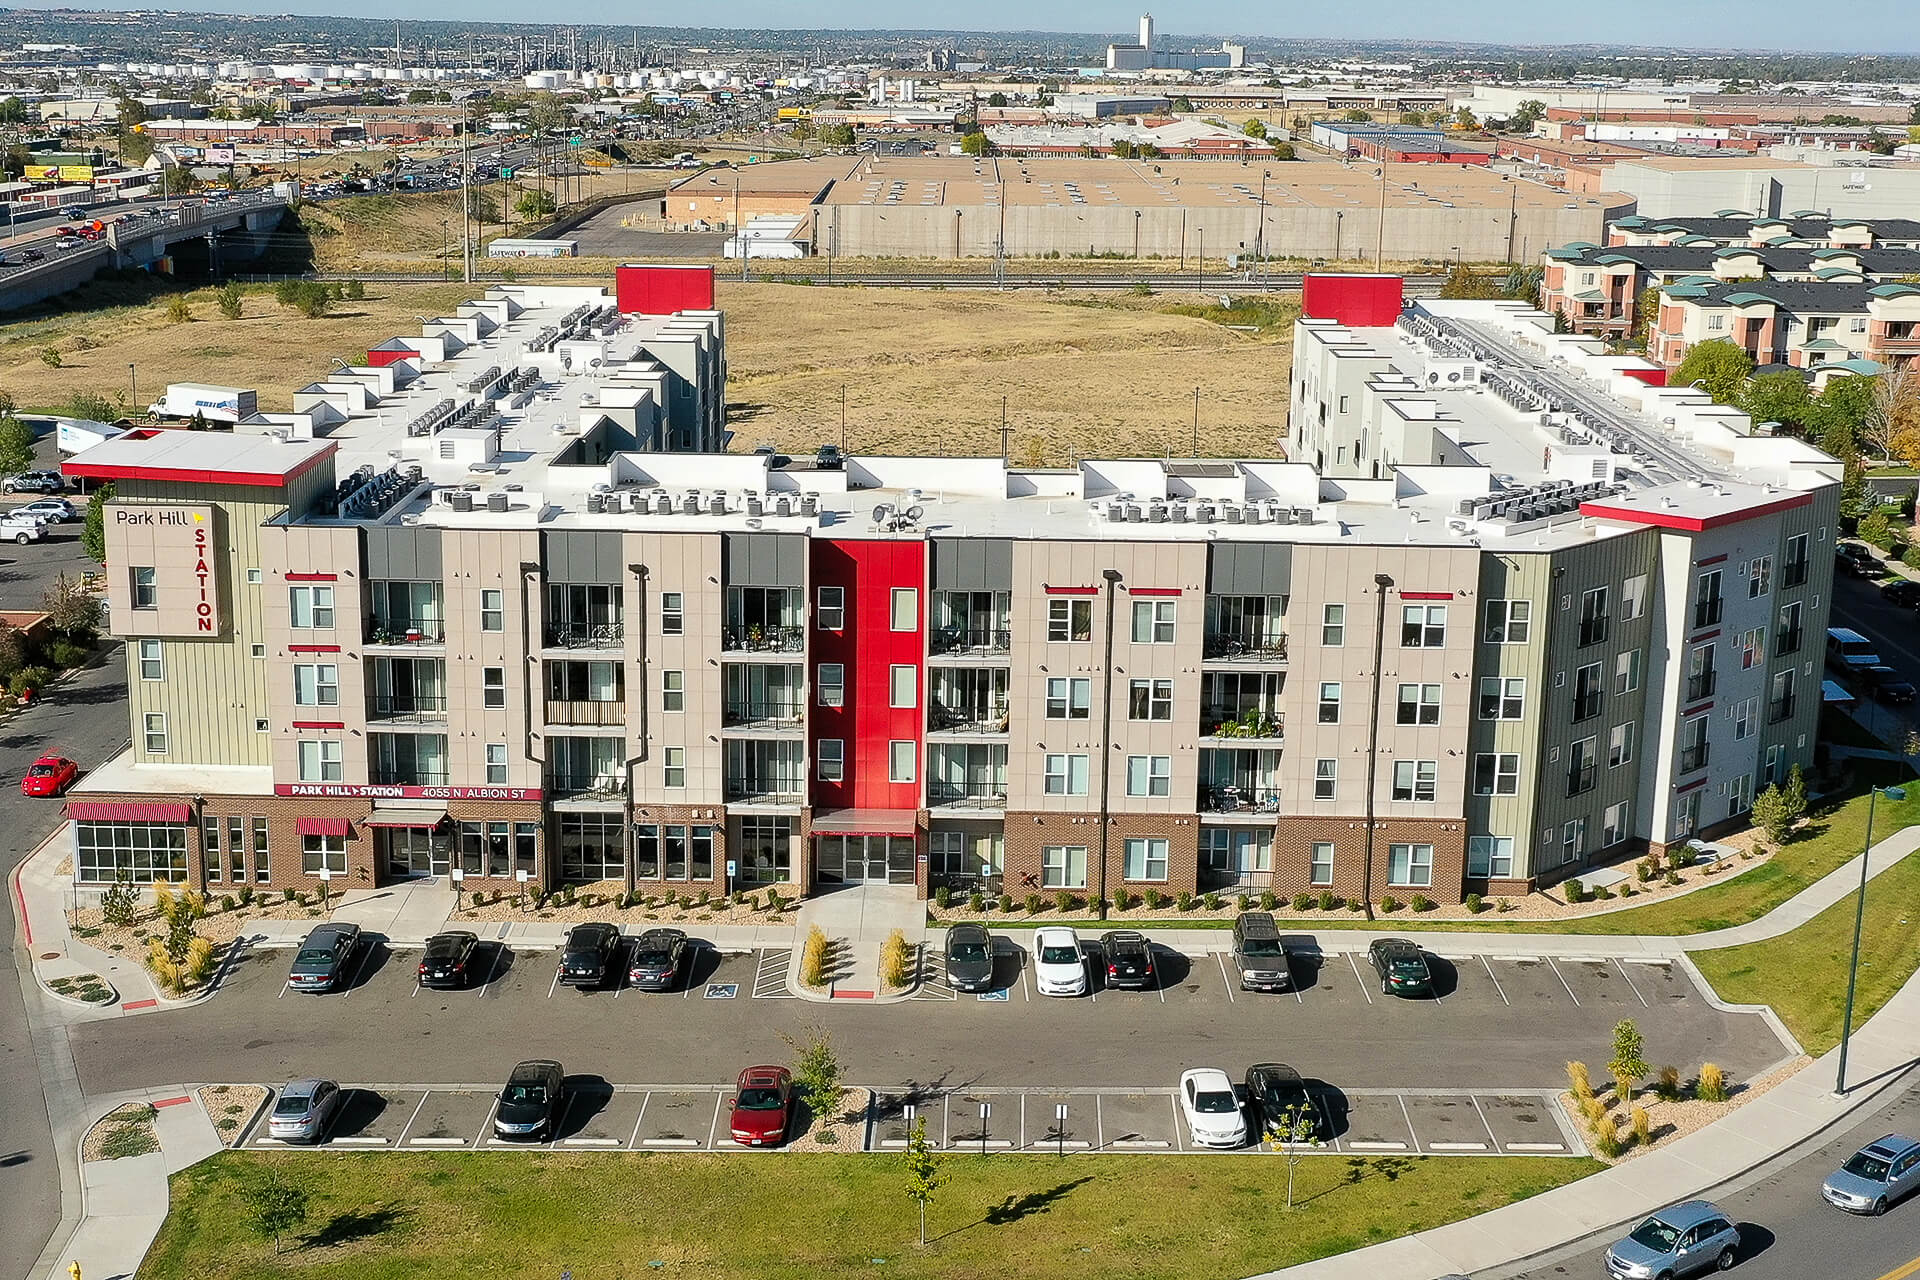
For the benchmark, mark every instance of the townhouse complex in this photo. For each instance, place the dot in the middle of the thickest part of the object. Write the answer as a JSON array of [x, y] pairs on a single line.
[[1509, 606]]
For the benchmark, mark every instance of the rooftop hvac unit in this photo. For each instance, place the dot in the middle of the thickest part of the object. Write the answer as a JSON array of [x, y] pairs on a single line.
[[1207, 513], [717, 505], [460, 500], [690, 505], [662, 504], [596, 503], [1156, 514], [783, 505], [1255, 515], [1180, 514], [1233, 514], [1283, 515], [497, 501], [809, 504], [754, 505]]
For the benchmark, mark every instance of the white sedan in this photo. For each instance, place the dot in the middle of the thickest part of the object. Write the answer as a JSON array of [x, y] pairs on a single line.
[[1212, 1110], [1059, 969]]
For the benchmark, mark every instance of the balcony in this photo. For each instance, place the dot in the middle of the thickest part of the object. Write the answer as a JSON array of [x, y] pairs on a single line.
[[1694, 758], [763, 788], [404, 631], [967, 717], [1252, 725], [584, 635], [970, 642], [1780, 709], [1230, 798], [765, 771], [398, 777], [572, 785], [954, 795], [592, 713], [1701, 685], [782, 715], [1246, 644], [763, 639], [405, 706]]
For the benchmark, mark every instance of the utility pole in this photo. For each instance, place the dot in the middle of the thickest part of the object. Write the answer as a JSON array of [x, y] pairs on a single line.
[[1380, 240], [1382, 582], [1112, 577], [466, 192]]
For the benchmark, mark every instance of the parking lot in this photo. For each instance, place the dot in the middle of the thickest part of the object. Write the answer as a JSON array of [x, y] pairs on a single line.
[[1505, 1025]]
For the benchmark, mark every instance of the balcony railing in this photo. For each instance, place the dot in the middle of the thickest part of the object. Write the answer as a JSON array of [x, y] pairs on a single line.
[[1786, 641], [586, 711], [961, 797], [1780, 709], [399, 631], [961, 883], [586, 785], [1701, 686], [757, 639], [582, 635], [952, 640], [1247, 644], [1250, 722], [965, 719], [389, 706], [738, 713], [1235, 799], [408, 777], [778, 788], [1693, 758]]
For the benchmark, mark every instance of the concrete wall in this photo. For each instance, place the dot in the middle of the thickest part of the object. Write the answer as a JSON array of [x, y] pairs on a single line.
[[1848, 191]]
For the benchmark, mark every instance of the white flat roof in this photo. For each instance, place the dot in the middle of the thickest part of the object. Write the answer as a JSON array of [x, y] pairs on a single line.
[[122, 774]]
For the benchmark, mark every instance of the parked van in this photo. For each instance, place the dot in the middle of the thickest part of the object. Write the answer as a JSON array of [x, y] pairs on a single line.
[[1849, 651]]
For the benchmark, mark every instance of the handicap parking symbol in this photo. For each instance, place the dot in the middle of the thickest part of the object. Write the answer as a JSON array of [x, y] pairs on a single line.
[[999, 996], [722, 990]]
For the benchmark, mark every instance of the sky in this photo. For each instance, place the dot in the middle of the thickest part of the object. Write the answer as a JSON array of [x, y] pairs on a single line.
[[1832, 25]]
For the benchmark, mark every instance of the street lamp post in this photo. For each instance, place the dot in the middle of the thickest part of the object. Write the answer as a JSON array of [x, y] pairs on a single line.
[[1112, 577], [1859, 917], [1383, 582], [1260, 232]]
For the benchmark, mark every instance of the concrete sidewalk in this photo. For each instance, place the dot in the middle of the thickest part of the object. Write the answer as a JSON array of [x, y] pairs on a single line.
[[857, 921], [41, 898]]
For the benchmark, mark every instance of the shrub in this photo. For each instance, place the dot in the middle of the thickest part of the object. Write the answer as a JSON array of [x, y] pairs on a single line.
[[1574, 892], [896, 960], [1606, 1138], [1211, 900], [50, 356], [1123, 900], [943, 897], [1593, 1110], [353, 291], [1646, 869], [739, 898], [775, 902], [246, 896], [179, 310], [1155, 899], [1680, 857], [1667, 1086], [813, 958], [1475, 904], [1035, 904], [1578, 1081], [1268, 900], [1245, 904], [479, 899], [1389, 905], [120, 902], [34, 677], [1421, 902], [227, 902], [1354, 904], [232, 300], [1603, 893], [1184, 901], [1627, 891], [1671, 878], [1712, 1085], [1006, 904], [1642, 1126], [1304, 901], [706, 896], [976, 901], [1063, 902], [67, 653], [288, 895]]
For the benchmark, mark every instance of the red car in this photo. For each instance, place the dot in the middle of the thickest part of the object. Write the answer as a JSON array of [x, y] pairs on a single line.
[[762, 1106], [49, 776]]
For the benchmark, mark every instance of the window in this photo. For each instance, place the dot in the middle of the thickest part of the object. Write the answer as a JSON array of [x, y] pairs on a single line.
[[493, 688], [1423, 626], [1759, 577], [146, 591], [1787, 639], [262, 865], [320, 761], [1774, 771], [669, 853], [493, 609], [831, 682], [1716, 322], [673, 613], [1700, 673], [1069, 699], [765, 849], [496, 764], [673, 691], [1496, 774], [1746, 715], [1418, 704], [1320, 863], [1410, 865], [903, 612], [141, 851], [1686, 815], [1330, 702], [1693, 744], [1508, 621], [1149, 775], [1587, 688], [1780, 701], [1490, 857], [1146, 859], [210, 845], [1326, 777], [1573, 840], [1794, 572], [830, 608], [1583, 766], [1613, 827], [1415, 780], [1063, 866], [903, 686], [1706, 599], [674, 774], [1150, 700], [1753, 648], [323, 853], [829, 759], [1333, 625], [310, 607], [1593, 616], [152, 667], [1620, 745], [1502, 698], [1069, 619], [254, 576], [316, 684], [257, 651], [1633, 597], [901, 758], [1626, 671], [154, 733], [1065, 775], [1153, 621]]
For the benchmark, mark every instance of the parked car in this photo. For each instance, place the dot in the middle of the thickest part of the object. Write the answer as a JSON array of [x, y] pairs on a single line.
[[49, 776], [59, 510], [444, 963], [22, 530], [321, 962], [1258, 953], [1853, 558], [1212, 1111], [73, 211], [1688, 1238], [1887, 685], [1885, 1170], [1129, 959], [828, 458], [1402, 967], [304, 1110], [762, 1106], [34, 482], [587, 956], [1058, 967], [1277, 1099], [1904, 592], [656, 960], [530, 1101], [969, 958], [1849, 652]]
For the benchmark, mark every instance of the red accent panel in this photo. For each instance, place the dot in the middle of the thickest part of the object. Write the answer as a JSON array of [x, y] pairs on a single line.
[[1694, 711], [180, 1101], [1367, 300], [1710, 560], [1691, 786], [1705, 635], [138, 811], [1426, 595], [1151, 591], [313, 577], [313, 648], [868, 648], [388, 791], [1654, 377], [322, 827], [658, 289], [175, 475], [381, 359], [1073, 591], [318, 724], [148, 1003], [1692, 524]]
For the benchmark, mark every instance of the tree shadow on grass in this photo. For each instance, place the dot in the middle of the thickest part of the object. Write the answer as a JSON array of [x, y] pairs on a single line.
[[1015, 1208], [355, 1225], [1363, 1169]]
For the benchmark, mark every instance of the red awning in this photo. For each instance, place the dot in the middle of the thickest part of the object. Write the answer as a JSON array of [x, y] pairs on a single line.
[[128, 811], [865, 822], [322, 827], [404, 818]]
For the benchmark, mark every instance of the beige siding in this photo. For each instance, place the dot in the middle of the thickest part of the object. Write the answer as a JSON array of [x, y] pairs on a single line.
[[689, 563]]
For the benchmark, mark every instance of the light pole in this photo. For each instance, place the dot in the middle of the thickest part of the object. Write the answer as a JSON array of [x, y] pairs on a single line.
[[1260, 232], [1859, 916], [1380, 239], [1112, 577], [1383, 582], [446, 267], [133, 390]]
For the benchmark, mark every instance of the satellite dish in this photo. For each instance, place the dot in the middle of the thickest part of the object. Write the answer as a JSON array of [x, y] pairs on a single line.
[[914, 513], [881, 512]]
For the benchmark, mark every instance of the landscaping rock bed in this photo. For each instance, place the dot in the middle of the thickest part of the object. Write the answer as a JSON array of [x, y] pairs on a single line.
[[125, 1131], [230, 1106], [89, 988], [844, 1130]]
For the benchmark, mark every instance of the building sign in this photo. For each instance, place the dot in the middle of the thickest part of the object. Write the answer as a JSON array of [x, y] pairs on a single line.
[[59, 173], [218, 153], [167, 567], [355, 791]]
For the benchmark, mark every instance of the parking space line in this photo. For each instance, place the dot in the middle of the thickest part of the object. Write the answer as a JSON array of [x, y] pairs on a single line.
[[566, 1113], [639, 1120], [1536, 1146], [1491, 1135], [1357, 978], [1636, 991], [1412, 1132], [1376, 1146], [555, 984], [485, 1128], [358, 1141], [1456, 1146], [416, 1113], [714, 1127], [285, 987], [1025, 992], [416, 986], [1496, 982], [670, 1142], [488, 980], [1174, 1104], [589, 1142], [436, 1142], [1099, 1125], [1023, 1122], [1231, 998], [1563, 981], [357, 969]]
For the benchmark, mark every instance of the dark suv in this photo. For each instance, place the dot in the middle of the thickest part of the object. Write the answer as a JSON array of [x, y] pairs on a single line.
[[586, 959], [1129, 959], [1259, 955], [1402, 967], [530, 1101]]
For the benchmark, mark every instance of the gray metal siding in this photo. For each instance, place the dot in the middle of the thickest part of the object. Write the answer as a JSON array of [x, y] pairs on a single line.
[[972, 564], [1250, 569], [766, 560], [574, 555], [402, 554]]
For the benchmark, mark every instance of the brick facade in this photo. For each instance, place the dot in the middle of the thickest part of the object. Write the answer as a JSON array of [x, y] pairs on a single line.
[[1294, 839], [1028, 834]]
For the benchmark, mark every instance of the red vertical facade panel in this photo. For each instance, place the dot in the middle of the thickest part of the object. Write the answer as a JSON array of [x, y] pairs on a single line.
[[1362, 300], [868, 648], [1654, 377], [657, 289], [381, 359]]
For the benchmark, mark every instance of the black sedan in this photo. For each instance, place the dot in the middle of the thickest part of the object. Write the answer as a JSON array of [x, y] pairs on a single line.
[[1888, 685], [969, 958], [587, 958], [444, 963], [1904, 592], [1129, 959], [1402, 967], [657, 957], [1280, 1102]]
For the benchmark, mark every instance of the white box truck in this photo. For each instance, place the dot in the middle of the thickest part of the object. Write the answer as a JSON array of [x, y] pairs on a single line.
[[213, 404]]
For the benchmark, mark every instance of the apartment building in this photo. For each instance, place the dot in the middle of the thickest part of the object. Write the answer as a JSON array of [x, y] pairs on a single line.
[[555, 659], [1802, 323], [1597, 289], [1737, 227]]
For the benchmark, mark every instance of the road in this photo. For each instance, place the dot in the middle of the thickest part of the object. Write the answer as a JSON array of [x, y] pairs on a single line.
[[1860, 605], [1788, 1232]]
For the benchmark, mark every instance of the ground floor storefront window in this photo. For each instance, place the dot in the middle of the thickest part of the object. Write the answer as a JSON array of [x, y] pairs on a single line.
[[966, 857], [592, 846], [765, 852], [323, 853], [672, 852], [864, 859], [413, 851], [140, 851]]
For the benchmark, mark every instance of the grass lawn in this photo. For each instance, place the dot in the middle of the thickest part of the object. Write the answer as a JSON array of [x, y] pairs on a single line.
[[805, 1217]]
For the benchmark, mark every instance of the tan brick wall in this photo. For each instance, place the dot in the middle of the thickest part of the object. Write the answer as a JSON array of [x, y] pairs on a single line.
[[1028, 833], [690, 816], [1293, 856]]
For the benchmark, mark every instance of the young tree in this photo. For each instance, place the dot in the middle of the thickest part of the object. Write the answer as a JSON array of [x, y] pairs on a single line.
[[232, 300], [1629, 1061], [1892, 409], [93, 534], [816, 1070], [1254, 129], [1646, 309], [275, 1205], [73, 610], [1299, 1134], [976, 144], [1527, 114], [1719, 366], [16, 445], [923, 1171]]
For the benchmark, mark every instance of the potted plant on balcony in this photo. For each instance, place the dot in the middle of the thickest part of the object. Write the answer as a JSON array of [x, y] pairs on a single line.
[[756, 637]]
